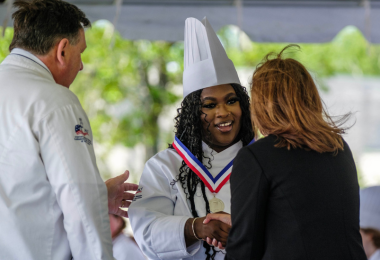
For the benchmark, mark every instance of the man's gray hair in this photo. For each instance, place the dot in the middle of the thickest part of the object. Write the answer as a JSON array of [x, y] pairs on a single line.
[[40, 24]]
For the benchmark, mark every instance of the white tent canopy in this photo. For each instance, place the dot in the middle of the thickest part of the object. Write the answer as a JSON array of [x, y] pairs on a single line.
[[263, 21]]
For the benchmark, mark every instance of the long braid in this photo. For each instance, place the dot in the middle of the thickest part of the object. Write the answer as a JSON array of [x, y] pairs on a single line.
[[189, 129], [203, 188]]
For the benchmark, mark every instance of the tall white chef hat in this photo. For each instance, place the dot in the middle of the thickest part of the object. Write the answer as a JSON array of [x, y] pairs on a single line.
[[370, 208], [206, 61]]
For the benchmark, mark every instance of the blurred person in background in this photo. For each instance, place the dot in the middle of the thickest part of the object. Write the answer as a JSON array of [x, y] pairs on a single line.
[[183, 183], [53, 202], [295, 192], [370, 221], [124, 247]]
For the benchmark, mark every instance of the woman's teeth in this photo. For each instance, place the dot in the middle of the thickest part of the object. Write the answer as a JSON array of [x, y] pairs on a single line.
[[225, 127], [226, 124]]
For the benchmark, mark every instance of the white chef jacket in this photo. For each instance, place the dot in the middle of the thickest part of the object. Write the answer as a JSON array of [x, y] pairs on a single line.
[[53, 202], [160, 209], [124, 248], [375, 256]]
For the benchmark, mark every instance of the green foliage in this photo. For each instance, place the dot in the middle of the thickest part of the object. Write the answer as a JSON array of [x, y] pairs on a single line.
[[125, 85], [348, 53], [5, 42]]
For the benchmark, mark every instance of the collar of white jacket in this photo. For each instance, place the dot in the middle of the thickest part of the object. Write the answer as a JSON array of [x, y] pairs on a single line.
[[30, 56], [206, 63]]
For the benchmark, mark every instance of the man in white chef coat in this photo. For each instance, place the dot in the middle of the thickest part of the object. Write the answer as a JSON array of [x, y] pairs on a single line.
[[53, 202]]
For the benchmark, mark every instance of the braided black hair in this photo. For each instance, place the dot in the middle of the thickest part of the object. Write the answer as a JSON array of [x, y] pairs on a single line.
[[188, 126]]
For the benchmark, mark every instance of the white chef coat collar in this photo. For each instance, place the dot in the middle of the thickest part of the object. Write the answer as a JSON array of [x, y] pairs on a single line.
[[227, 154], [375, 255], [30, 56], [219, 160]]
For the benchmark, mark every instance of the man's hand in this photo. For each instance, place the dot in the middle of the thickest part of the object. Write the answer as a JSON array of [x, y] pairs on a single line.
[[117, 195]]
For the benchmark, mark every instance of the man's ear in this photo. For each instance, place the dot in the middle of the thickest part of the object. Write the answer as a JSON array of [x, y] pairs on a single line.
[[62, 51]]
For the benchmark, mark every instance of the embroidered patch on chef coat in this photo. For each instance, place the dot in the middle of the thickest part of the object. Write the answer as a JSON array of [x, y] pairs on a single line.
[[81, 133], [137, 195]]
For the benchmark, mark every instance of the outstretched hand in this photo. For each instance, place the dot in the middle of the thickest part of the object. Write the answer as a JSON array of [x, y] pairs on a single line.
[[118, 197]]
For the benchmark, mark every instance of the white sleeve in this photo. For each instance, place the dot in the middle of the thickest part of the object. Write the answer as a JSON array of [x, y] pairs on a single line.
[[124, 248], [157, 231], [67, 151]]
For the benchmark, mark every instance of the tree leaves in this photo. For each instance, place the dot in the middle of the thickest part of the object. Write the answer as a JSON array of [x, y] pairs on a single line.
[[126, 88]]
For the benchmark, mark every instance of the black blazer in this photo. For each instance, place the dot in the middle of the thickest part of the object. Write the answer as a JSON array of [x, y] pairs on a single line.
[[294, 205]]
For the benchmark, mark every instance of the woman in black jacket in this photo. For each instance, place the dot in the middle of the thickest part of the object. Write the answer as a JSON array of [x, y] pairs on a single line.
[[295, 193]]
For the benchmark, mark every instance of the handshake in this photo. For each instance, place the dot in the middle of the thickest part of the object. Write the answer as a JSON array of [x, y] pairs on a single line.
[[214, 229]]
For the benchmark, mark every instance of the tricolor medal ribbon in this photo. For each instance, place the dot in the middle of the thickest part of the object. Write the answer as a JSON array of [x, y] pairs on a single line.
[[214, 184]]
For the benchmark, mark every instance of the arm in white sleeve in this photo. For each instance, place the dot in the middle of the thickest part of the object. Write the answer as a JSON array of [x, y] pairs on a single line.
[[69, 160], [159, 233]]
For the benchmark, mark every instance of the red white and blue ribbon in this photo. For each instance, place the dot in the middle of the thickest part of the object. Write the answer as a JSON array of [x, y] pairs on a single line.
[[214, 184]]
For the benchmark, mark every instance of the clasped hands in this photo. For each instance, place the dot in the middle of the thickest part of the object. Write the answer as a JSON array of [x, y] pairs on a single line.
[[214, 229]]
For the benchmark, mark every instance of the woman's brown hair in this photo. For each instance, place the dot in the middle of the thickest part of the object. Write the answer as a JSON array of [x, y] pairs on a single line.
[[286, 103]]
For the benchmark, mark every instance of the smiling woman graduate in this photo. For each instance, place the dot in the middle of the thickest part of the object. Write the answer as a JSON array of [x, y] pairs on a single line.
[[182, 184]]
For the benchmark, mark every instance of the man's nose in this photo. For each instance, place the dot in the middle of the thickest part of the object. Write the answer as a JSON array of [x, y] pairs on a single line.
[[81, 66]]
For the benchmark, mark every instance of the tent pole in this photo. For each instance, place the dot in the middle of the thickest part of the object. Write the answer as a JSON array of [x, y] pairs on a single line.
[[239, 8], [118, 4], [367, 7], [9, 10]]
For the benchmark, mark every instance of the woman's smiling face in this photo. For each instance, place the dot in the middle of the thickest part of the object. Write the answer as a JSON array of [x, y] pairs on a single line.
[[221, 117]]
